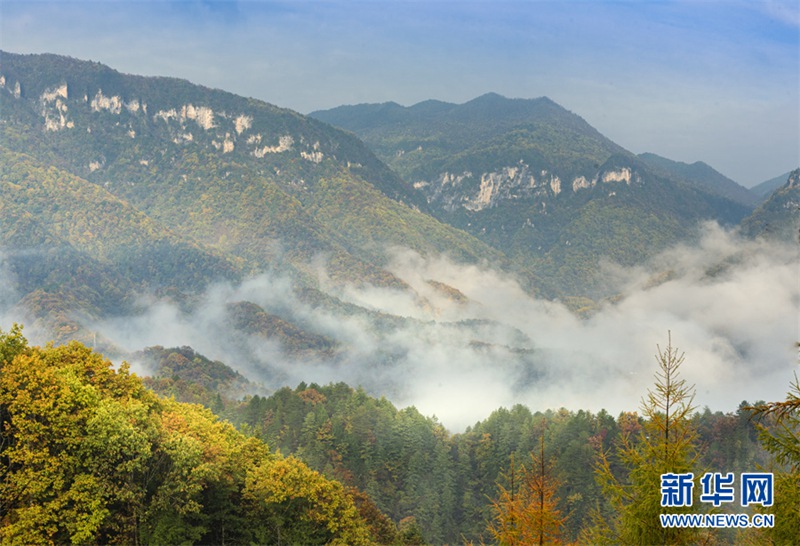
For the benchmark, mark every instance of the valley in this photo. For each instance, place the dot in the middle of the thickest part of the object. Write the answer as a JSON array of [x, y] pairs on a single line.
[[374, 292]]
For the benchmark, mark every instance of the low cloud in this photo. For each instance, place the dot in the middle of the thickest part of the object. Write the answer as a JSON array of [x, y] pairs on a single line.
[[468, 339], [8, 283]]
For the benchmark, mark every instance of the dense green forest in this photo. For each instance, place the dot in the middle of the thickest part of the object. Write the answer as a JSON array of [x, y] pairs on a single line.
[[91, 455]]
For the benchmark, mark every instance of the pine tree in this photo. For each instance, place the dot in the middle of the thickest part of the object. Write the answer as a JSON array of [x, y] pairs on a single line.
[[664, 443]]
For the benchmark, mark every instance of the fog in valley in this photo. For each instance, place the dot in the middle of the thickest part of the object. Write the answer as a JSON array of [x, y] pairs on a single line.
[[467, 339]]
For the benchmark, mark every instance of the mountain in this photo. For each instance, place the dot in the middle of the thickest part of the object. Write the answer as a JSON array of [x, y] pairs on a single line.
[[117, 186], [779, 216], [69, 243], [490, 132], [159, 185], [188, 376], [703, 176], [765, 189], [539, 183]]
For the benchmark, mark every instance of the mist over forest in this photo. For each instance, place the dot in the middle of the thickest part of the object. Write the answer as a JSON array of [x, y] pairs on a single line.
[[222, 321], [725, 299]]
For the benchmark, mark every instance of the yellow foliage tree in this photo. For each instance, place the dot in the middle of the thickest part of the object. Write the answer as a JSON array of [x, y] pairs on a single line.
[[77, 440], [89, 456], [527, 512], [300, 506]]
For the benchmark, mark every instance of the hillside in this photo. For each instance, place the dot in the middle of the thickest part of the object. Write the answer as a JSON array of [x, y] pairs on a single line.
[[765, 189], [70, 245], [244, 173], [779, 216], [539, 183], [415, 470], [164, 186], [109, 462], [703, 176], [432, 137]]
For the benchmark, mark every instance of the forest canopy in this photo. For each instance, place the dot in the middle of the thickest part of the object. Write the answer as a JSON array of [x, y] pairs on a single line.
[[90, 454]]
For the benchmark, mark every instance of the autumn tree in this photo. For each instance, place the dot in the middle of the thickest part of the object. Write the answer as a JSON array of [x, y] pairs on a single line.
[[296, 505], [527, 512], [90, 456], [664, 443], [78, 443]]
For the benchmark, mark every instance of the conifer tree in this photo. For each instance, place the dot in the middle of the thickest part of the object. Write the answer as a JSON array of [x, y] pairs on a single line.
[[663, 444], [527, 512], [782, 440]]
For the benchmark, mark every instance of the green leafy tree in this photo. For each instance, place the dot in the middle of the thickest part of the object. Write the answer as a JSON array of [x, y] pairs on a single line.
[[78, 443], [12, 344], [90, 456]]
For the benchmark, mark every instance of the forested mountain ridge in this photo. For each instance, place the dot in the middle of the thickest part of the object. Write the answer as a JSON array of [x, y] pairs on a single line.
[[704, 176], [488, 133], [88, 455], [539, 183], [168, 109], [159, 185], [114, 462], [779, 216], [128, 217], [767, 187], [165, 144]]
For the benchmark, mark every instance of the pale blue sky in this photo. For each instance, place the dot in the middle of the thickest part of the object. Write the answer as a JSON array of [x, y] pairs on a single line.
[[717, 81]]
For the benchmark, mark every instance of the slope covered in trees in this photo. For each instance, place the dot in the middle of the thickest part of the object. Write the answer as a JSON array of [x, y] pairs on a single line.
[[88, 455], [779, 216], [448, 483], [162, 186], [703, 176], [539, 183], [767, 187]]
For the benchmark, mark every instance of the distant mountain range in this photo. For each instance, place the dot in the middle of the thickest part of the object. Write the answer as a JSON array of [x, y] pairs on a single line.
[[116, 185], [424, 141], [703, 176], [542, 185]]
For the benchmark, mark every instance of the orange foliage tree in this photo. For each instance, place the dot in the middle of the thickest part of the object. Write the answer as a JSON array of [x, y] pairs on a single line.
[[527, 512]]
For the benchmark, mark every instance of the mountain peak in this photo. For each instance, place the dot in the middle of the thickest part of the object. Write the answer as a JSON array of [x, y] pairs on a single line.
[[490, 96], [496, 99]]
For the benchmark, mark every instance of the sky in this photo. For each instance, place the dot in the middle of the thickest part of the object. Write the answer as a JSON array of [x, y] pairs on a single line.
[[713, 81]]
